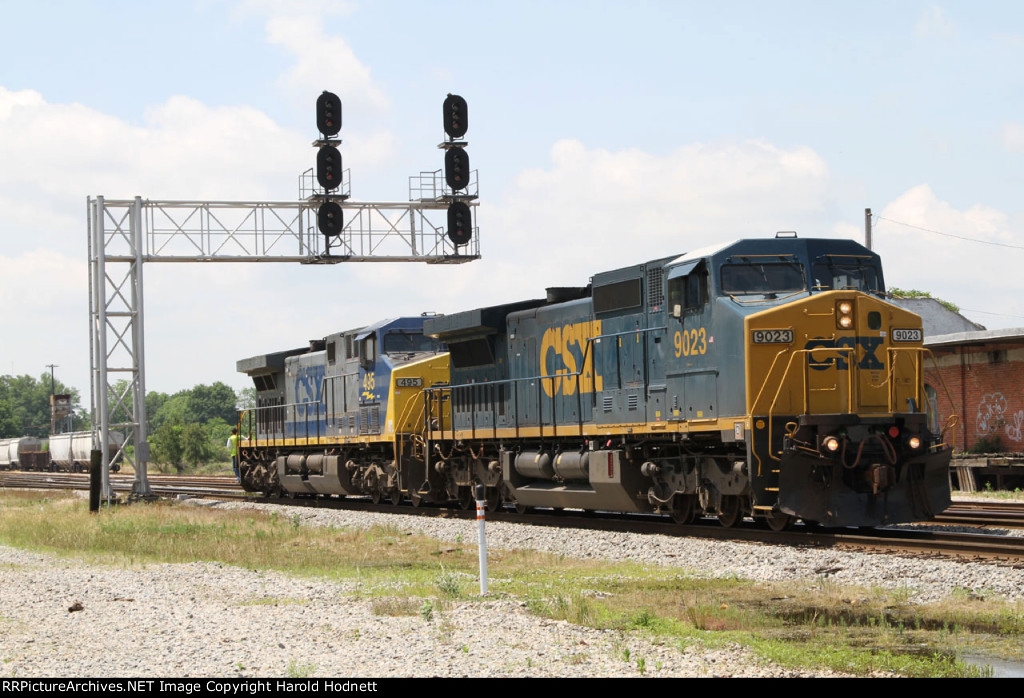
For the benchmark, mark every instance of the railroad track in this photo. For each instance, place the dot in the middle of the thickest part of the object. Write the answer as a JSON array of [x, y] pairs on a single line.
[[990, 546], [1008, 514]]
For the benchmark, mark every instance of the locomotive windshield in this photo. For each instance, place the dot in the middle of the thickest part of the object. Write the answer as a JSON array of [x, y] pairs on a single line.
[[762, 278], [399, 342], [858, 277]]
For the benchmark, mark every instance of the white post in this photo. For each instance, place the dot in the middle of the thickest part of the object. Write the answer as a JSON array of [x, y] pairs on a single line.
[[481, 538]]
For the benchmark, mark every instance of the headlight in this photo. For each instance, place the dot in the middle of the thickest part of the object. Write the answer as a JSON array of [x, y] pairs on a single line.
[[830, 443], [914, 442], [844, 315]]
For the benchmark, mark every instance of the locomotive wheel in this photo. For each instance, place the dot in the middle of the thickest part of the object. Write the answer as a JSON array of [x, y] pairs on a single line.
[[779, 521], [492, 497], [730, 511], [417, 499], [466, 501], [684, 509], [375, 496], [396, 497], [523, 509]]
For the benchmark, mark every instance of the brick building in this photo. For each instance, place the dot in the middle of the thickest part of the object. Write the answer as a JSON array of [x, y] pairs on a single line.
[[980, 377]]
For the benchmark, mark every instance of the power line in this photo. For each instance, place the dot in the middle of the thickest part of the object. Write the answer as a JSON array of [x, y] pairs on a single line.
[[950, 235], [988, 312]]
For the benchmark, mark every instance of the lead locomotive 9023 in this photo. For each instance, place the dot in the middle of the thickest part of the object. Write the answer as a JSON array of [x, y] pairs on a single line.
[[766, 378]]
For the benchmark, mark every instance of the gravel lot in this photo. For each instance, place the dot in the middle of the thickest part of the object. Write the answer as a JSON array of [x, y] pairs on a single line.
[[208, 619]]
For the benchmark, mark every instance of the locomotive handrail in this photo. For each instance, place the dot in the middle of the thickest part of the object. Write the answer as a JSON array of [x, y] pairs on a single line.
[[412, 402], [893, 355], [804, 353], [918, 354], [491, 401], [954, 419], [278, 440]]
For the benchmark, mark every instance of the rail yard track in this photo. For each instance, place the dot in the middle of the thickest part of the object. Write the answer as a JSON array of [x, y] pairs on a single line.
[[990, 521]]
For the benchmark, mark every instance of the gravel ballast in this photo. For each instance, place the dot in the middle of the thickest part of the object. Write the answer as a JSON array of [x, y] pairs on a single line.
[[214, 620]]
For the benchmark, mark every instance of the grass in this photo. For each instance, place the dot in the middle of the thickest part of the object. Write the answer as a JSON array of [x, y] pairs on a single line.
[[815, 624], [988, 492]]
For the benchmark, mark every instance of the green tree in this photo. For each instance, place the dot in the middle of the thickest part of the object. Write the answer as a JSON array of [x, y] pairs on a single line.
[[167, 447], [914, 293], [25, 405], [206, 402], [195, 445], [171, 410], [217, 433]]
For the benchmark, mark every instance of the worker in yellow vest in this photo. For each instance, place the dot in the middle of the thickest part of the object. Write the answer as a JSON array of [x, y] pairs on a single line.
[[232, 446]]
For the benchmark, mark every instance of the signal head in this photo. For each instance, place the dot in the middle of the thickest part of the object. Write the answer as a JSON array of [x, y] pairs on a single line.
[[456, 168], [460, 223], [328, 113], [455, 117], [330, 219], [328, 167]]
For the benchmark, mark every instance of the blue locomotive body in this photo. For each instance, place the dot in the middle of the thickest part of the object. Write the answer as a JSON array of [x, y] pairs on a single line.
[[700, 383], [767, 378], [327, 415]]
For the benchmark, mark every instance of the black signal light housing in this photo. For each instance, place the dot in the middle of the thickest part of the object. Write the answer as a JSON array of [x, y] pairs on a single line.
[[456, 120], [328, 113]]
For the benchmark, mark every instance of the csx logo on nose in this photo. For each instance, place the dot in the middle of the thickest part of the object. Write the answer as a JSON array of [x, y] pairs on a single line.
[[839, 360]]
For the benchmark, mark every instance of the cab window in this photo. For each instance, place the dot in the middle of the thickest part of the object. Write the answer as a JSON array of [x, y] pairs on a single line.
[[368, 352], [688, 292], [846, 276], [400, 342], [762, 278]]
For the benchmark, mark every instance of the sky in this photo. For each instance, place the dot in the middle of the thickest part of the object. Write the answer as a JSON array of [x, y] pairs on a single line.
[[604, 133]]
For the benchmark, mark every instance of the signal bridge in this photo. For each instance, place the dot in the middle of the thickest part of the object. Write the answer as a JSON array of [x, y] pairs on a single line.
[[318, 228]]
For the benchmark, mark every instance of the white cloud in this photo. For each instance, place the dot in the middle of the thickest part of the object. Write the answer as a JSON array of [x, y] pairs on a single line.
[[52, 156], [184, 149], [973, 275], [595, 208], [319, 57], [45, 309]]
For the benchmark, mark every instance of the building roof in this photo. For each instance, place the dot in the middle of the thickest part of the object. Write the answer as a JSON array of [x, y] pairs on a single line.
[[936, 318], [1013, 334]]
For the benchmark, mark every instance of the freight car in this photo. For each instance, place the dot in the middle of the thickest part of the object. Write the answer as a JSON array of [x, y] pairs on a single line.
[[767, 378], [13, 452], [68, 452], [72, 451]]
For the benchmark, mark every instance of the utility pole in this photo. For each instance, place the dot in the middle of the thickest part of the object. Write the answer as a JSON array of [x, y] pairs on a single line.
[[52, 382]]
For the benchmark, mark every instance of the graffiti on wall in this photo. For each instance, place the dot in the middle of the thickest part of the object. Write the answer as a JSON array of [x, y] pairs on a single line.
[[994, 417]]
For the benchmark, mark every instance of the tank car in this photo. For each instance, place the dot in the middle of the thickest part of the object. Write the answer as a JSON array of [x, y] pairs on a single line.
[[73, 451], [343, 416], [763, 377], [13, 452]]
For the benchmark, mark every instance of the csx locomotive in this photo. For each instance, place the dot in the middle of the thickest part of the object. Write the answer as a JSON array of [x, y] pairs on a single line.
[[766, 378]]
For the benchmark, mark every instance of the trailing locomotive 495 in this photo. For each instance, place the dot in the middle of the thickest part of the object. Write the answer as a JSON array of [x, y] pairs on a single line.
[[765, 377]]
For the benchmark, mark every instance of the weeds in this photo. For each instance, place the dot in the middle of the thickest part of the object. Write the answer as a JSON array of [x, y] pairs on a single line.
[[299, 671], [448, 584], [823, 623]]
